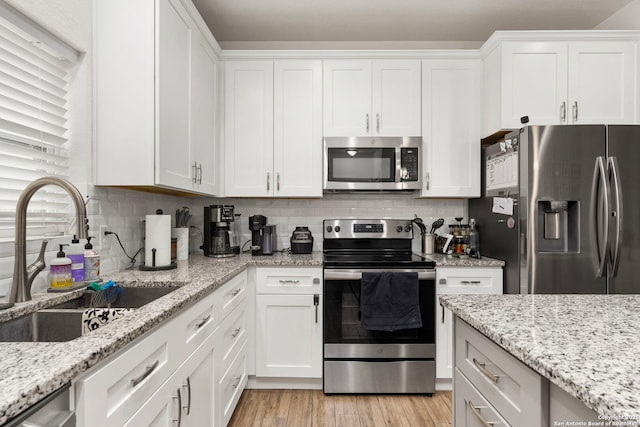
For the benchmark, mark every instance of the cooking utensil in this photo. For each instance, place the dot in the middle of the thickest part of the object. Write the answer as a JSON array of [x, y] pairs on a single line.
[[420, 223], [437, 224], [182, 217]]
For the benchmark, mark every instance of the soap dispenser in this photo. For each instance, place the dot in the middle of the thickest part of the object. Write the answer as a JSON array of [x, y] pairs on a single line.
[[91, 262], [76, 255], [60, 271]]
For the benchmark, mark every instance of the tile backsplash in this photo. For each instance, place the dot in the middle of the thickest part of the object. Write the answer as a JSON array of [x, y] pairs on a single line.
[[123, 211]]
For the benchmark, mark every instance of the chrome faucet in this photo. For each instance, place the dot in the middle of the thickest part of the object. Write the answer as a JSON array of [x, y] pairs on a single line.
[[23, 276]]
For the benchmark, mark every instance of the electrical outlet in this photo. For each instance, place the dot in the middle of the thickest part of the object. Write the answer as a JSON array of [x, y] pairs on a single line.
[[104, 241]]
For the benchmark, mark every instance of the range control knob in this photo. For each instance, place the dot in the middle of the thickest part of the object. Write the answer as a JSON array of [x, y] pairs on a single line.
[[399, 229], [329, 228], [407, 228], [337, 228]]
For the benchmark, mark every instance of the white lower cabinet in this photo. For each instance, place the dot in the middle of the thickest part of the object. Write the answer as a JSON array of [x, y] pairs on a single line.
[[189, 371], [457, 281], [289, 323]]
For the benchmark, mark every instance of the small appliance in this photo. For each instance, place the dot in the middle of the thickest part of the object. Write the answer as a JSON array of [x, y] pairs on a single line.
[[218, 241], [301, 241], [372, 164], [263, 236]]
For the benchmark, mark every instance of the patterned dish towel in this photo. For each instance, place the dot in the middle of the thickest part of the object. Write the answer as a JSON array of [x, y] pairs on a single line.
[[94, 318]]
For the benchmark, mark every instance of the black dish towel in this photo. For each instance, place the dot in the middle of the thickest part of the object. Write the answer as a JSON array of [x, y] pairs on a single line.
[[390, 301]]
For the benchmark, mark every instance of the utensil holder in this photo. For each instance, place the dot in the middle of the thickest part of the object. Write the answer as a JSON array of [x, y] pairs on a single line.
[[428, 243]]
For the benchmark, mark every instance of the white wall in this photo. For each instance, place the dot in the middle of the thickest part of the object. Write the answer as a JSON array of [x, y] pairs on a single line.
[[627, 18], [123, 211]]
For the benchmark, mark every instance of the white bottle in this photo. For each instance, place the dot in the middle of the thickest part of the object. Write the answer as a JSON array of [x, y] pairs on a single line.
[[60, 271], [91, 262], [76, 255]]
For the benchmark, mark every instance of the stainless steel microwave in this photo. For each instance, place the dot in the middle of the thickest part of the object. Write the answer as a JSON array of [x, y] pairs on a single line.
[[372, 163]]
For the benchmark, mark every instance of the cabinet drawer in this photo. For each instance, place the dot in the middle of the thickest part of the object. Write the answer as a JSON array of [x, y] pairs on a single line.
[[233, 335], [469, 280], [289, 281], [113, 393], [519, 394], [232, 293], [470, 408], [197, 323], [231, 386]]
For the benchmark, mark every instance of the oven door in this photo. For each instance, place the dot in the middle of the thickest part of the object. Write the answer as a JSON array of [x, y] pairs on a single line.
[[344, 336]]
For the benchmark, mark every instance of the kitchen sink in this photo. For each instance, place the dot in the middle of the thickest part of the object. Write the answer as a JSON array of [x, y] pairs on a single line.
[[43, 326], [130, 297]]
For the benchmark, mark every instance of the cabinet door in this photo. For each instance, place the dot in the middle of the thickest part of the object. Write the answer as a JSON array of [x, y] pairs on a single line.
[[161, 410], [173, 157], [347, 98], [204, 77], [396, 98], [249, 128], [451, 128], [288, 336], [602, 82], [444, 342], [297, 162], [197, 384], [534, 83]]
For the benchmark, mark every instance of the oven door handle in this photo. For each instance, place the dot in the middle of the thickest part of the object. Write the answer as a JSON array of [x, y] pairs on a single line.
[[357, 274]]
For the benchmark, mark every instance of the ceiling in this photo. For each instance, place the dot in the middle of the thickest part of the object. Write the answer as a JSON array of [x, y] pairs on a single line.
[[249, 23]]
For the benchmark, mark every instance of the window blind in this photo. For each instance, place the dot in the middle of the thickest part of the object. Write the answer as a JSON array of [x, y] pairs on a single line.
[[35, 71]]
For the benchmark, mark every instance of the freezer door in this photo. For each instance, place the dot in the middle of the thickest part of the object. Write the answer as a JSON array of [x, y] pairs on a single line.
[[556, 176], [623, 152]]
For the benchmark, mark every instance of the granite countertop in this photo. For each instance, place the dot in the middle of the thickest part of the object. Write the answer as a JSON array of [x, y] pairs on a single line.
[[443, 260], [31, 371], [588, 345]]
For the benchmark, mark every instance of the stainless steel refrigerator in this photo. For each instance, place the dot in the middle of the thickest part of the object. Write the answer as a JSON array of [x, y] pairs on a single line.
[[561, 206]]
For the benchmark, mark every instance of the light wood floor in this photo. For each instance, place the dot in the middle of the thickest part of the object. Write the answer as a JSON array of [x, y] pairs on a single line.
[[298, 408]]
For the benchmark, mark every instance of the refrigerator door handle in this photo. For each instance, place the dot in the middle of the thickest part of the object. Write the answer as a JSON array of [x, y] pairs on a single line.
[[616, 213], [600, 254]]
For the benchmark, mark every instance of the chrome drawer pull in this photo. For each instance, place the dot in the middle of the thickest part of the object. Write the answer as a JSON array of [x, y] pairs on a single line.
[[284, 282], [476, 412], [203, 321], [236, 332], [482, 367], [145, 374], [470, 282], [189, 401], [179, 397], [235, 292], [237, 383]]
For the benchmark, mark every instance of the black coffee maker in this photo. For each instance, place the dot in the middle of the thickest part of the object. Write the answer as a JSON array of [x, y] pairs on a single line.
[[218, 236], [263, 236]]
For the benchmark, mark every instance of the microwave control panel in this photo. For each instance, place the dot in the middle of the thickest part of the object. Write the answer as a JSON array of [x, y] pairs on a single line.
[[409, 163]]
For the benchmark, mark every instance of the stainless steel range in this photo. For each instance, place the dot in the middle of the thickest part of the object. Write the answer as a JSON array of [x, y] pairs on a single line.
[[369, 266]]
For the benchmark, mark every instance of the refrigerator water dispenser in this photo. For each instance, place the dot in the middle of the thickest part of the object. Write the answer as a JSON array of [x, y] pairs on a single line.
[[558, 226]]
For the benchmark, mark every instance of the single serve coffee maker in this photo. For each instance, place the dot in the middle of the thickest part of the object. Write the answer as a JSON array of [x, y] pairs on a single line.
[[218, 241], [263, 236]]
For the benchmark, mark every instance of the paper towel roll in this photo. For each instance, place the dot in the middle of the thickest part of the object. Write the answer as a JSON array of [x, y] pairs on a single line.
[[158, 237]]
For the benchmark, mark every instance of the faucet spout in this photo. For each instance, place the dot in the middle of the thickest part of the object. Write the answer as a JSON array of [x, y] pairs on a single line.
[[23, 276]]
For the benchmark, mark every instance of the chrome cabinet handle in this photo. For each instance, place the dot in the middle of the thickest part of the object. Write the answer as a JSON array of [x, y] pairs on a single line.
[[284, 282], [316, 303], [563, 112], [268, 182], [378, 122], [195, 172], [179, 397], [235, 292], [476, 412], [367, 122], [237, 383], [483, 368], [236, 332], [442, 307], [575, 111], [145, 374], [189, 400], [278, 181], [470, 282], [199, 173], [427, 180], [202, 322]]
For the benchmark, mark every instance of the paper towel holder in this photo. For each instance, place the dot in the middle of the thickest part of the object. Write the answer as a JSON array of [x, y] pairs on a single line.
[[153, 266]]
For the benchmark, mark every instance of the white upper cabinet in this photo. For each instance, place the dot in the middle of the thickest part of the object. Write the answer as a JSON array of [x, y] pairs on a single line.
[[451, 127], [371, 98], [155, 99], [560, 82], [273, 128]]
